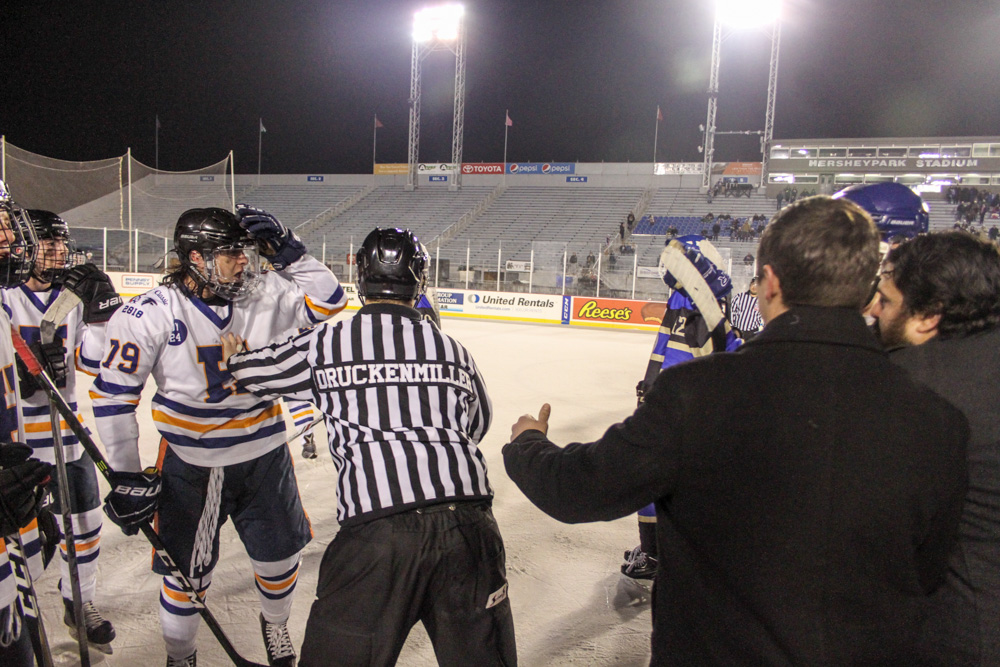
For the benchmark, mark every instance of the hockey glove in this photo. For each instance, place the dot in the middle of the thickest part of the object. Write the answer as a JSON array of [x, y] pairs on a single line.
[[278, 244], [716, 279], [133, 498], [52, 356], [100, 300], [22, 486]]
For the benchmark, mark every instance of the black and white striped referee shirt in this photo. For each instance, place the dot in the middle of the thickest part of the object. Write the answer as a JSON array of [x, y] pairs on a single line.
[[746, 313], [404, 404]]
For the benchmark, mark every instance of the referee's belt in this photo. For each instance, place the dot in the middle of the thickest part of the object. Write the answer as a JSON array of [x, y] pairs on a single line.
[[450, 506]]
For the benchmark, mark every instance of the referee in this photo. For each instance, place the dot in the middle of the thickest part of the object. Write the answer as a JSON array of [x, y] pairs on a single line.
[[405, 407], [745, 313]]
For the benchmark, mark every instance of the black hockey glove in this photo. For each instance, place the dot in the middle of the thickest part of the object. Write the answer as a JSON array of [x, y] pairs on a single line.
[[100, 300], [133, 498], [53, 359], [22, 486], [278, 244]]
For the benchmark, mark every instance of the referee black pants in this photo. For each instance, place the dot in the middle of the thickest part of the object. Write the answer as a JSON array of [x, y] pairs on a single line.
[[442, 565]]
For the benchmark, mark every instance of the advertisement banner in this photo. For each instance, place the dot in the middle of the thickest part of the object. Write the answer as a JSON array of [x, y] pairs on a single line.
[[435, 168], [616, 312], [390, 169], [129, 285], [742, 169], [648, 272], [542, 168], [482, 167], [514, 265]]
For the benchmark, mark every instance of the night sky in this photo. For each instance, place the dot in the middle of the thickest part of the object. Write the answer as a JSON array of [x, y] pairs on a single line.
[[582, 79]]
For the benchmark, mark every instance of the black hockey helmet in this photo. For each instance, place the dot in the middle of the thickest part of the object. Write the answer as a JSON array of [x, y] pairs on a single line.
[[212, 231], [49, 267], [392, 264], [18, 243]]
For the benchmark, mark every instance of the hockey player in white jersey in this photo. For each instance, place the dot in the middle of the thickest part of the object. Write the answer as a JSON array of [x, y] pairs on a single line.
[[79, 336], [223, 452], [21, 477]]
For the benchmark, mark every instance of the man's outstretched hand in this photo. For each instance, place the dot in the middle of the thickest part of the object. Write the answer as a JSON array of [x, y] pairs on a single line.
[[528, 423]]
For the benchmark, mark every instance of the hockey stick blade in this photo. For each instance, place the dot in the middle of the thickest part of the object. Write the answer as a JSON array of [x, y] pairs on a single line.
[[31, 363], [673, 260], [56, 314]]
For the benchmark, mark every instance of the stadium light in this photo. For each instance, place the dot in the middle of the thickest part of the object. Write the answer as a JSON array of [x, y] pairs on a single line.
[[740, 14], [748, 13], [440, 23], [438, 28]]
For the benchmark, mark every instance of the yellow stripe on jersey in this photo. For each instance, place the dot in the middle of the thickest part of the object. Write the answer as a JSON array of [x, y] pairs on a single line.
[[202, 427], [329, 312]]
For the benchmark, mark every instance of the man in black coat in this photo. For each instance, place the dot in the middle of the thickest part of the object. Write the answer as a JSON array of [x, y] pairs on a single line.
[[806, 523], [939, 300]]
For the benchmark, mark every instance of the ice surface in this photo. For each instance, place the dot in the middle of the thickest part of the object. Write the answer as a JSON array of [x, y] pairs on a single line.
[[571, 605]]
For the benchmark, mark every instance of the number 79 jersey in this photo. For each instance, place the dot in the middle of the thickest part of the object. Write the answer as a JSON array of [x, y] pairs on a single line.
[[175, 337]]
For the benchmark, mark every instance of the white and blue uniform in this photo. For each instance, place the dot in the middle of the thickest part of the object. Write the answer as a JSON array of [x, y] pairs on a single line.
[[224, 450], [85, 343]]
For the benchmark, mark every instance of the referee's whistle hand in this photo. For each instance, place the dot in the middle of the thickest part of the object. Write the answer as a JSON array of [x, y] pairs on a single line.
[[529, 423]]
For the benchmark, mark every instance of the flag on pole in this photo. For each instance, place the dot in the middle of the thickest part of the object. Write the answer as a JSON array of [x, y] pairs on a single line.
[[659, 114], [262, 129], [509, 122], [378, 123]]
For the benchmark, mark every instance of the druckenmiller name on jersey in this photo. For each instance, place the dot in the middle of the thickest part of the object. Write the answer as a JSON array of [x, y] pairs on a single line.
[[352, 376]]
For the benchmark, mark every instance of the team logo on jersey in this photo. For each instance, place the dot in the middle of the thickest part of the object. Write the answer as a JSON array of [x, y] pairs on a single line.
[[179, 334]]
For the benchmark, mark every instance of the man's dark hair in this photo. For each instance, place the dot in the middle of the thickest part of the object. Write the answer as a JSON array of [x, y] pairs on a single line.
[[951, 274], [824, 252]]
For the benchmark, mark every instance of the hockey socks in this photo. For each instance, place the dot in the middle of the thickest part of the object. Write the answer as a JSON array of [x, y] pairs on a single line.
[[275, 584]]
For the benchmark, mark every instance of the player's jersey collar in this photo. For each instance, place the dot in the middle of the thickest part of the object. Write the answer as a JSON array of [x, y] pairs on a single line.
[[34, 300], [219, 321]]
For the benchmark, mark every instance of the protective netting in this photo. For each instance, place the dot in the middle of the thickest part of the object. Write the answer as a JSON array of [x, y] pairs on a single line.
[[119, 209]]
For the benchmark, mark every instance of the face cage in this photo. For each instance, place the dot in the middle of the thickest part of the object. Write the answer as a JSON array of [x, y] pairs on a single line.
[[230, 289], [56, 274], [16, 266]]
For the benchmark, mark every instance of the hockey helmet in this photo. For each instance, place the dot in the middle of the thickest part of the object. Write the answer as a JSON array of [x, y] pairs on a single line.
[[18, 243], [392, 264], [217, 236], [51, 266], [895, 208]]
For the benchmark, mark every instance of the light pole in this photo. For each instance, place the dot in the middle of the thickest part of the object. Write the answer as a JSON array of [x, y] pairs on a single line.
[[435, 29], [737, 15]]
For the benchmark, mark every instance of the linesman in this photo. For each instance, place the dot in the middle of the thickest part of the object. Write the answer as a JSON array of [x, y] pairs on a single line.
[[405, 407]]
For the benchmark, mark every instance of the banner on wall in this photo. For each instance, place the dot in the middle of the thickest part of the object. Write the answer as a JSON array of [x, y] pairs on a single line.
[[616, 311], [392, 169]]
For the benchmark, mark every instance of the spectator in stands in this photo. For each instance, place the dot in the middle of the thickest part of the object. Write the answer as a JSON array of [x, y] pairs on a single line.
[[780, 198], [621, 230], [630, 222], [591, 260], [572, 258], [715, 230], [748, 260], [612, 260]]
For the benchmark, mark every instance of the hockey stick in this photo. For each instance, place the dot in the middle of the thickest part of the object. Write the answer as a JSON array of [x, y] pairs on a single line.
[[147, 530], [22, 566], [673, 260], [55, 314]]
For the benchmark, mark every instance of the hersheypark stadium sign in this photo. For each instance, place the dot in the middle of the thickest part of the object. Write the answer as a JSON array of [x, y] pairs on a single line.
[[881, 164]]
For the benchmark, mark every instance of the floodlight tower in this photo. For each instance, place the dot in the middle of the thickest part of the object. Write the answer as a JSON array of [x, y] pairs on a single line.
[[436, 29], [736, 15]]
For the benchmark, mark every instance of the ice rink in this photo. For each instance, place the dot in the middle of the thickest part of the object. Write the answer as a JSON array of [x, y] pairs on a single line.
[[571, 605]]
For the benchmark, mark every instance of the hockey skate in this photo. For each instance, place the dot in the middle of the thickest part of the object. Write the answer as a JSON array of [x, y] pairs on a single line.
[[639, 564], [277, 641], [309, 446], [190, 661], [100, 632]]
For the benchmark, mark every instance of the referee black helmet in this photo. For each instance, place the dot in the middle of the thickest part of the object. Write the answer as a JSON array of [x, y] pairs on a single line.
[[391, 265]]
